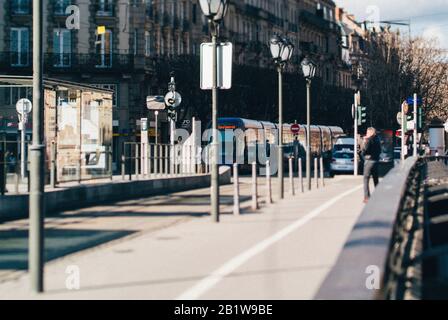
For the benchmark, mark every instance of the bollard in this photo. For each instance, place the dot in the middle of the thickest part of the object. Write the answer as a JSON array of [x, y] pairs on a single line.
[[291, 176], [137, 161], [268, 182], [254, 187], [123, 166], [322, 172], [301, 176], [53, 165], [236, 191], [316, 178]]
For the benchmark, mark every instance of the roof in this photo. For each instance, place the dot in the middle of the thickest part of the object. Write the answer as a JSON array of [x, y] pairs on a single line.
[[49, 83]]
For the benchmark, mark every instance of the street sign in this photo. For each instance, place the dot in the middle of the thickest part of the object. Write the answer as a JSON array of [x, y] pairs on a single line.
[[224, 65], [155, 102], [173, 99], [295, 129], [24, 106], [410, 101]]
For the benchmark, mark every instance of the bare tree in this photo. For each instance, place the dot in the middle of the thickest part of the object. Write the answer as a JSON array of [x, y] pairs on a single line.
[[398, 68]]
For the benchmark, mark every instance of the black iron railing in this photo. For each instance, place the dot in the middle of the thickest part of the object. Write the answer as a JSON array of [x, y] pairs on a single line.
[[12, 62], [402, 234]]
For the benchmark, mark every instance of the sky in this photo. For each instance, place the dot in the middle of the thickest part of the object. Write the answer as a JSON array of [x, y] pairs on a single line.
[[428, 18]]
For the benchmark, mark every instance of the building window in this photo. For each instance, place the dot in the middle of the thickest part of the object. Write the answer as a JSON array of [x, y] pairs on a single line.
[[60, 6], [104, 50], [62, 47], [105, 8], [109, 86], [193, 13], [21, 6], [19, 47], [14, 94], [147, 44]]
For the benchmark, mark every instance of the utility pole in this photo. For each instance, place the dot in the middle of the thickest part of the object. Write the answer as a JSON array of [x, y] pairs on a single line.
[[37, 161]]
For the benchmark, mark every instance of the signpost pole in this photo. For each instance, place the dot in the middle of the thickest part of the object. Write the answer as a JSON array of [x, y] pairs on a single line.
[[22, 146], [415, 124], [214, 176]]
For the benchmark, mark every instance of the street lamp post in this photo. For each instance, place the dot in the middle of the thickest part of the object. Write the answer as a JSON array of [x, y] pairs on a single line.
[[214, 10], [281, 50], [37, 159], [309, 71]]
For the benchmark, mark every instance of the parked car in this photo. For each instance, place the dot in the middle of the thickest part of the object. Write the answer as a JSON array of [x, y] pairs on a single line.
[[342, 162]]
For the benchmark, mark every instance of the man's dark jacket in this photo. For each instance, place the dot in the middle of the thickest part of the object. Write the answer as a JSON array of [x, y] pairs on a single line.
[[372, 149]]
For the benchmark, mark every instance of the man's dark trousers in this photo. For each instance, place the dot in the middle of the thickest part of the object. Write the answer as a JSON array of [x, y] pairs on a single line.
[[370, 169]]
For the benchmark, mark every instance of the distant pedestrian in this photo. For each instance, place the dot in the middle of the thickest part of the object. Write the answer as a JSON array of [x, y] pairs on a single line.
[[371, 155]]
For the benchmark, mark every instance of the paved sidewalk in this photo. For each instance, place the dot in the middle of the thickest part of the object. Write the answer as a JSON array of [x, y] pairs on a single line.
[[167, 247]]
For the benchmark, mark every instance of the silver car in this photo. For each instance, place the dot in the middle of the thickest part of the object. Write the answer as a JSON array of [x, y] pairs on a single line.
[[342, 162]]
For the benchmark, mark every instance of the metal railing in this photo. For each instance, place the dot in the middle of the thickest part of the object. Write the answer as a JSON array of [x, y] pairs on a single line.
[[387, 249], [148, 160], [61, 166]]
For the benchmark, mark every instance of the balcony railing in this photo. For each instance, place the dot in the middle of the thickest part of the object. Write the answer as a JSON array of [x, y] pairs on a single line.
[[71, 62]]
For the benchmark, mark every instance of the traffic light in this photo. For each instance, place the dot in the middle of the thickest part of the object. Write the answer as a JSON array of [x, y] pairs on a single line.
[[421, 119], [362, 115]]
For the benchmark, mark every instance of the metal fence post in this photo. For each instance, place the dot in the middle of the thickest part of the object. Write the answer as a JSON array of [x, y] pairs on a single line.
[[167, 170], [236, 190], [110, 154], [322, 172], [268, 182], [123, 166], [316, 170], [291, 176], [149, 152], [53, 165], [301, 175], [254, 187], [160, 159], [137, 161], [130, 161], [79, 166]]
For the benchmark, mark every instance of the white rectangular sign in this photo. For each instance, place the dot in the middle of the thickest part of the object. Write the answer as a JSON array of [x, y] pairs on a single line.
[[224, 65]]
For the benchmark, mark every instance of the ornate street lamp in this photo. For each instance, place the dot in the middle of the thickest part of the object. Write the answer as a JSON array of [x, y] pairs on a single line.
[[215, 11], [309, 71], [281, 51]]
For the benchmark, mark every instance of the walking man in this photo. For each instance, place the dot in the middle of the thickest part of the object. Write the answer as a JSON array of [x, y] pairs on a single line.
[[371, 155]]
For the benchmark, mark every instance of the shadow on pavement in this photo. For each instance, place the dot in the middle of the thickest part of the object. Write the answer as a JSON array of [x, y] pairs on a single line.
[[58, 243]]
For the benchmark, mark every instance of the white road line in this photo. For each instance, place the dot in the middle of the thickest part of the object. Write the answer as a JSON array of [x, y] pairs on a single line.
[[210, 281]]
